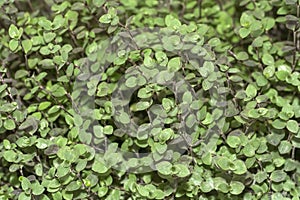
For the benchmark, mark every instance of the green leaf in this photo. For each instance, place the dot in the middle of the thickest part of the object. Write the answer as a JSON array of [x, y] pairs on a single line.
[[6, 144], [242, 56], [99, 167], [208, 119], [142, 105], [290, 2], [148, 61], [174, 64], [106, 18], [267, 59], [258, 42], [24, 196], [98, 3], [102, 191], [207, 69], [58, 91], [131, 82], [48, 37], [278, 176], [27, 45], [261, 176], [124, 118], [143, 191], [239, 167], [46, 24], [187, 97], [246, 19], [236, 187], [44, 105], [73, 186], [9, 124], [289, 165], [244, 32], [78, 120], [41, 143], [224, 163], [30, 122], [25, 183], [275, 138], [21, 73], [292, 126], [207, 158], [214, 42], [38, 169], [269, 71], [285, 147], [221, 185], [160, 56], [37, 189], [160, 148], [278, 124], [233, 141], [251, 91], [207, 186], [10, 155], [268, 23], [262, 111], [81, 165], [283, 72], [164, 167], [8, 107], [172, 22], [164, 77], [108, 129], [13, 44], [167, 104], [182, 170], [13, 31], [166, 134], [3, 87], [249, 150]]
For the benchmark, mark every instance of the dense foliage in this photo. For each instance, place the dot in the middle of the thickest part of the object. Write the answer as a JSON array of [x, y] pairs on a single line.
[[154, 99]]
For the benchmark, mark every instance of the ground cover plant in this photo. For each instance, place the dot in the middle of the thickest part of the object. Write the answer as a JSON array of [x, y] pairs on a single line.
[[154, 99]]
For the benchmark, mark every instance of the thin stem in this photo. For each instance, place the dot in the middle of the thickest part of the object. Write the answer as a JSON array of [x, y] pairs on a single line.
[[199, 3], [295, 38], [295, 49], [8, 92], [220, 4], [30, 5], [130, 35], [182, 10], [54, 98], [293, 153]]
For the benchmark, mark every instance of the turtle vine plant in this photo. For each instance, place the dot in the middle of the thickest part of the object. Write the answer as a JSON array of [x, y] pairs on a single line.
[[129, 99]]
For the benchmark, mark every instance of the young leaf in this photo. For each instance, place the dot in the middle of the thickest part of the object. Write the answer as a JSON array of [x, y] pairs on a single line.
[[174, 64], [172, 22], [13, 31], [13, 44], [292, 126], [27, 45]]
